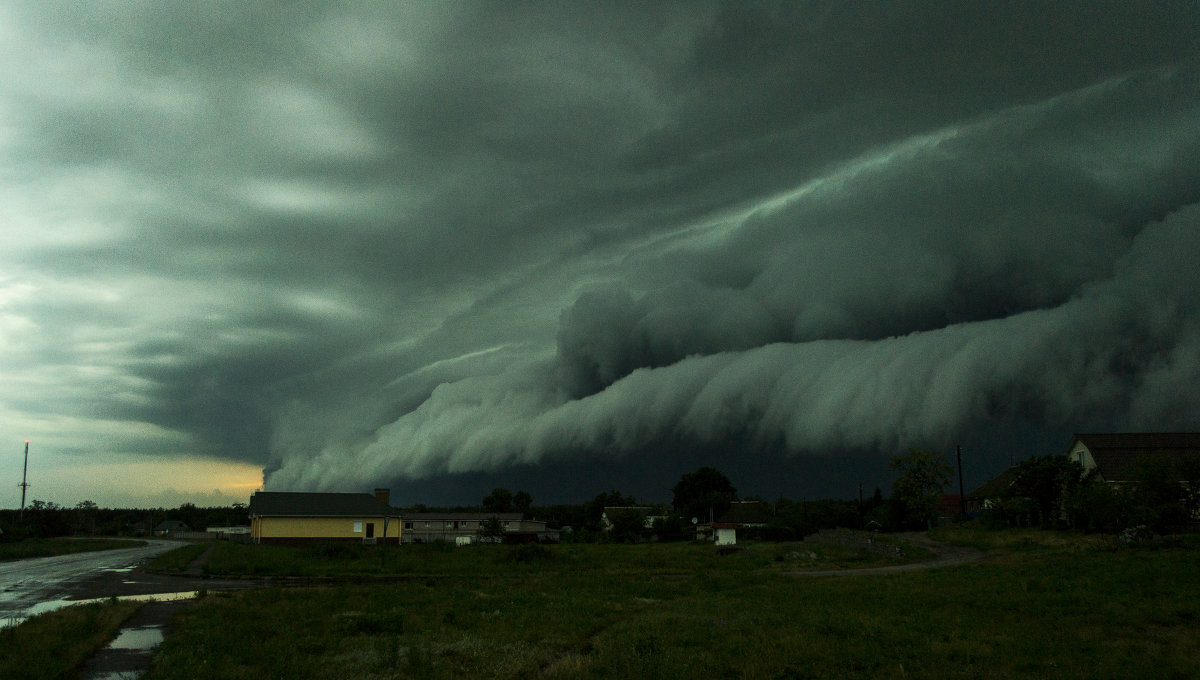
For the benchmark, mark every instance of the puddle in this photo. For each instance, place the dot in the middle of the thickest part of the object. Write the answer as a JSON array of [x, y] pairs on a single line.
[[52, 605], [146, 637]]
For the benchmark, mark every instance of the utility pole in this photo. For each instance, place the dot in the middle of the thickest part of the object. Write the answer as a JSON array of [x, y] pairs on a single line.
[[24, 484], [962, 497]]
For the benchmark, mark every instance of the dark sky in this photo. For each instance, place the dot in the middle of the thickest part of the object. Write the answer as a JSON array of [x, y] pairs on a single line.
[[571, 247]]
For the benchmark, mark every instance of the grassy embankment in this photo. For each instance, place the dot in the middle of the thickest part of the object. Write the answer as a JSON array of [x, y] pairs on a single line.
[[56, 644], [1043, 605], [47, 547]]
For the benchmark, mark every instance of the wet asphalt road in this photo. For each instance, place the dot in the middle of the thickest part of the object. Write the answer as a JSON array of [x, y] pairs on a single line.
[[28, 587]]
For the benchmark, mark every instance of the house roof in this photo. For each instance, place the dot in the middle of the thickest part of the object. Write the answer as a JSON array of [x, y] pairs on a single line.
[[1117, 455], [745, 512], [997, 486], [303, 504], [171, 525], [461, 516]]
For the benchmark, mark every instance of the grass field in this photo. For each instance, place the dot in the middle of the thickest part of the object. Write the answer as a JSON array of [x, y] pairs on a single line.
[[46, 547], [445, 559], [55, 644], [1043, 605]]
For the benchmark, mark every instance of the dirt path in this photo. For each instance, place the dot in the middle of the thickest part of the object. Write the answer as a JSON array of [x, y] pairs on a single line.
[[945, 555]]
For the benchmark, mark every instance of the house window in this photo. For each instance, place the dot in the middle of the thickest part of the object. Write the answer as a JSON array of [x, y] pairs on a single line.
[[358, 527], [427, 525], [449, 525], [408, 525], [370, 530]]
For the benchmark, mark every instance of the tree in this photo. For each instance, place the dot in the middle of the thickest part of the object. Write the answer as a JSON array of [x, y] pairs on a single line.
[[918, 488], [86, 510], [1158, 497], [490, 530], [522, 502], [1048, 481], [594, 508], [705, 493], [499, 500], [628, 525]]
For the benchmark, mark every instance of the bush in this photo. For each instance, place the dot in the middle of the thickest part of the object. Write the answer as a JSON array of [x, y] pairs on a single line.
[[529, 552]]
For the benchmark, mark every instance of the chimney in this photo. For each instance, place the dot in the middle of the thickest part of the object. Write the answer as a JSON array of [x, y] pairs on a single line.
[[384, 496]]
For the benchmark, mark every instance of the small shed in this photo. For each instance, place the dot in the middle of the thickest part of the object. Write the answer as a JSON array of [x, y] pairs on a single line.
[[725, 534]]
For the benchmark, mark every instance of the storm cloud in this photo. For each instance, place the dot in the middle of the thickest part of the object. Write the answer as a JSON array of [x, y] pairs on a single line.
[[371, 243]]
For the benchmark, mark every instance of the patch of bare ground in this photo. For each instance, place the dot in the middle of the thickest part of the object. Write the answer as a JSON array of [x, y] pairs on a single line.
[[945, 555]]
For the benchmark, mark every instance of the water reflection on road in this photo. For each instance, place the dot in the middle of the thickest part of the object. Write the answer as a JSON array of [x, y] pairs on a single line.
[[34, 586]]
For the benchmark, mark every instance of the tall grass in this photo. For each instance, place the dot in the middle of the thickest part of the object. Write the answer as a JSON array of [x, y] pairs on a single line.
[[56, 644], [1047, 610]]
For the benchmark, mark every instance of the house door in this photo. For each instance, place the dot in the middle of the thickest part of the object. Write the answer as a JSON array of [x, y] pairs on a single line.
[[370, 530]]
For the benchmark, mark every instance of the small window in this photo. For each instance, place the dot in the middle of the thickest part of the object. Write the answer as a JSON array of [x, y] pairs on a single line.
[[370, 530], [358, 527], [427, 525], [408, 525]]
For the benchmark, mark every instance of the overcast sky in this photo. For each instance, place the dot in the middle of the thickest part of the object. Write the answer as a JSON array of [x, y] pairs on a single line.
[[572, 247]]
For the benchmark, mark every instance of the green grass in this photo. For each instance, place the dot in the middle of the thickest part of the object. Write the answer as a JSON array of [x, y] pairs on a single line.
[[177, 560], [46, 547], [1048, 606], [443, 559], [56, 644]]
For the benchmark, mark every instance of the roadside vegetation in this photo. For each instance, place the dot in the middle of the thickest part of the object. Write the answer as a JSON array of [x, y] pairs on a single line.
[[56, 644], [1046, 604], [179, 559], [46, 547]]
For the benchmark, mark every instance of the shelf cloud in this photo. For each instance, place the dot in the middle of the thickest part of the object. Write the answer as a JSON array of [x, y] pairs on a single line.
[[362, 244]]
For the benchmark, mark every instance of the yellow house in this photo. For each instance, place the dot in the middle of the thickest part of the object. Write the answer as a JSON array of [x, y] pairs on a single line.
[[295, 517]]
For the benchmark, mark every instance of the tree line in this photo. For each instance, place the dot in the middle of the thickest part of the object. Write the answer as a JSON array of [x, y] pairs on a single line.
[[42, 519]]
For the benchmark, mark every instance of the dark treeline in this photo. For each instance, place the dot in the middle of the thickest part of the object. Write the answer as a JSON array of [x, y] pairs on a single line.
[[48, 520]]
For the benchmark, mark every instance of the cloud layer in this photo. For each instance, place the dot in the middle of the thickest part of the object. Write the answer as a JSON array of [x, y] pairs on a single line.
[[354, 244]]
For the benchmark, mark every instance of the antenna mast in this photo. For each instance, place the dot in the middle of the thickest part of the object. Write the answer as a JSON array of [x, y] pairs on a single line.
[[24, 484]]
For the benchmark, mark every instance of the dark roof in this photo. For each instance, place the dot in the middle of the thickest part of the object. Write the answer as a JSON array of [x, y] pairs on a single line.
[[996, 487], [461, 516], [171, 525], [1117, 455], [301, 504], [745, 512]]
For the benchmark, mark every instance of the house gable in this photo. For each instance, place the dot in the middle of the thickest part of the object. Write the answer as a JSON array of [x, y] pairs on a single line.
[[1116, 457]]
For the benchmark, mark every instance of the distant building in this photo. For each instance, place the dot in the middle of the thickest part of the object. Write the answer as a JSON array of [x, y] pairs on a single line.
[[741, 514], [644, 513], [298, 517], [170, 526], [462, 528], [1115, 458]]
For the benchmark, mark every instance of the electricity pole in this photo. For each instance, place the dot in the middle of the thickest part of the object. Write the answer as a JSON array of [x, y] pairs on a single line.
[[24, 484]]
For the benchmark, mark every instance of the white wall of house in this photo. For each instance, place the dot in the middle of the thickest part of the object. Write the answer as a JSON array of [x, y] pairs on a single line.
[[726, 536], [1083, 456]]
